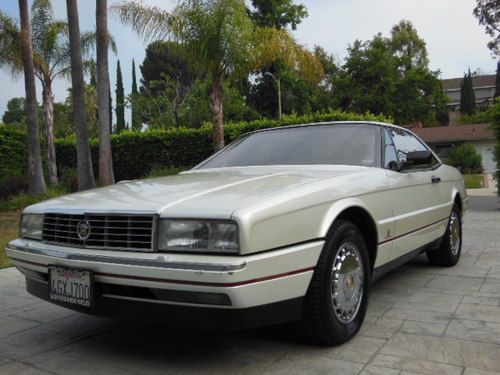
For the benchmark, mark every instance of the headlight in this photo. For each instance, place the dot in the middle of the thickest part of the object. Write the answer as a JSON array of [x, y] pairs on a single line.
[[31, 226], [198, 235]]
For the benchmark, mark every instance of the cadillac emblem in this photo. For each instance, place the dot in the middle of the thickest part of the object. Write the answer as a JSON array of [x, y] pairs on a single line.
[[83, 230]]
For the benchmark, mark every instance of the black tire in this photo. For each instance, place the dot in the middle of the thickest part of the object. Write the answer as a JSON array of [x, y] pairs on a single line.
[[446, 255], [319, 322]]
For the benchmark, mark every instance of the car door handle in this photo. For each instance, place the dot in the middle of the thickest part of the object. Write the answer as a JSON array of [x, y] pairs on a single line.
[[435, 180]]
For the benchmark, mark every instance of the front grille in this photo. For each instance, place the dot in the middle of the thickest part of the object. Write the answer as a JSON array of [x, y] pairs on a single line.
[[126, 232]]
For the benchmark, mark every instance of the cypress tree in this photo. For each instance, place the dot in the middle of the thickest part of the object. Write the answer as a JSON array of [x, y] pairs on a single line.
[[136, 121], [120, 100], [472, 96], [110, 111], [462, 94], [467, 96]]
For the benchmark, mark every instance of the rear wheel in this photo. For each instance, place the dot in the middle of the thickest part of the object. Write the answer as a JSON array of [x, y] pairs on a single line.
[[336, 301], [448, 253]]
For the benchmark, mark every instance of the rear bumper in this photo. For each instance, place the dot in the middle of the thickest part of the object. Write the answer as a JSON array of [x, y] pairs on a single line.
[[189, 290]]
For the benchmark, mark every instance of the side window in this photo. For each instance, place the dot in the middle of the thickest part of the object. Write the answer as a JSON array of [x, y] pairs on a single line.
[[405, 143], [391, 158]]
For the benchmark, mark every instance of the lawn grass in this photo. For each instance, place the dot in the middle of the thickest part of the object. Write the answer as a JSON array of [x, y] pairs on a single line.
[[474, 181], [9, 230]]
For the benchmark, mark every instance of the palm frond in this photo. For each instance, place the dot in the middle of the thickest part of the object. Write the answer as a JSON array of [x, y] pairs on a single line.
[[271, 45], [112, 44], [149, 22], [10, 47], [53, 39], [89, 41], [42, 69], [42, 16]]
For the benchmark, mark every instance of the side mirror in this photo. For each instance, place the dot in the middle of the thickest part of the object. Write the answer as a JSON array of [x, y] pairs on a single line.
[[416, 158]]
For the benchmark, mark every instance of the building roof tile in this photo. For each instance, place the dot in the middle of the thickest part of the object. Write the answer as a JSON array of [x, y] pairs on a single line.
[[477, 81], [469, 132]]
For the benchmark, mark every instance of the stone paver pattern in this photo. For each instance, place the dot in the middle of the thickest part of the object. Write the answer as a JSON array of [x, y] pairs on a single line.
[[421, 320]]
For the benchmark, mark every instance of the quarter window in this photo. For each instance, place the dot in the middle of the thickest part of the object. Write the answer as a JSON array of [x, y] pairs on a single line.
[[391, 158]]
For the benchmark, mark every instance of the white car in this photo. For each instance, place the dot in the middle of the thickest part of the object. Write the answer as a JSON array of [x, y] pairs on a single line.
[[285, 224]]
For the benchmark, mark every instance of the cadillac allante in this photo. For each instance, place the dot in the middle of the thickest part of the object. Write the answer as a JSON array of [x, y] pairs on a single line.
[[286, 224]]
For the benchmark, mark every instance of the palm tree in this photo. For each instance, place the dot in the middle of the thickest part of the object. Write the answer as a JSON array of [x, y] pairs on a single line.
[[51, 61], [220, 37], [84, 160], [106, 176], [37, 183]]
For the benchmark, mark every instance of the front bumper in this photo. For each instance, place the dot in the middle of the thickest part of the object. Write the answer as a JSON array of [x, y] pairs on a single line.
[[185, 289]]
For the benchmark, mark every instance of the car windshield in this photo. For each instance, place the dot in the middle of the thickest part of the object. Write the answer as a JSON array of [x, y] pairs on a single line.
[[347, 144]]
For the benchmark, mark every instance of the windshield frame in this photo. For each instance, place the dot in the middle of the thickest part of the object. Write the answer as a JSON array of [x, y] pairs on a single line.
[[380, 127]]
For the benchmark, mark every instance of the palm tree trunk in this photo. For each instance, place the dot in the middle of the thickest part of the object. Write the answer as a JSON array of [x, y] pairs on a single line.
[[84, 159], [218, 113], [35, 171], [106, 176], [48, 111]]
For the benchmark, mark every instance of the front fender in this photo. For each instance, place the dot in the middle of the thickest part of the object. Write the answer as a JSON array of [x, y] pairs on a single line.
[[337, 208]]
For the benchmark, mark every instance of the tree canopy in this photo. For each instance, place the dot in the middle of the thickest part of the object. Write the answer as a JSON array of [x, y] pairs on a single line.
[[278, 14], [391, 76], [16, 112], [488, 14]]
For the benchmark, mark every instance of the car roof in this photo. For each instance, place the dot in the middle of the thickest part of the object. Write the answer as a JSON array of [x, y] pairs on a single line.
[[374, 123]]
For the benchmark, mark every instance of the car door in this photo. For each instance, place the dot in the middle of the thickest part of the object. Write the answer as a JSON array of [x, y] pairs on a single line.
[[415, 194]]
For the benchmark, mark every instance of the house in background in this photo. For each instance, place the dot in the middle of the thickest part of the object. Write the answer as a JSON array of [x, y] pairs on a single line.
[[442, 138], [484, 90]]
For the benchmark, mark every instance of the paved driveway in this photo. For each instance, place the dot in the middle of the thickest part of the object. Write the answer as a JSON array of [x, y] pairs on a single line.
[[421, 320]]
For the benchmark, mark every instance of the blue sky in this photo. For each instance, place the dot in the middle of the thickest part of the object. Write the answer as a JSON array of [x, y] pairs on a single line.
[[454, 39]]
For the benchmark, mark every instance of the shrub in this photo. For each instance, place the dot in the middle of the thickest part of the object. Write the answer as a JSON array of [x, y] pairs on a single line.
[[23, 200], [68, 178], [13, 185], [13, 153], [478, 118], [466, 159]]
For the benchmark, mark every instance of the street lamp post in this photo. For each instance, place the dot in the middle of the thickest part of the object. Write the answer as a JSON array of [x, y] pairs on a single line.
[[278, 83]]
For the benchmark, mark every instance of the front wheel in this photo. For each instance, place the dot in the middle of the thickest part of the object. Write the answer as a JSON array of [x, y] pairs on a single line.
[[448, 253], [337, 298]]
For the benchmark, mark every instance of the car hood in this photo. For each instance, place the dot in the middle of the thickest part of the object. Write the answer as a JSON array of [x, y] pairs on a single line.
[[208, 193]]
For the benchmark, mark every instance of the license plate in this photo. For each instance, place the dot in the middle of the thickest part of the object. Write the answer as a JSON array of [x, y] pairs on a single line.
[[71, 286]]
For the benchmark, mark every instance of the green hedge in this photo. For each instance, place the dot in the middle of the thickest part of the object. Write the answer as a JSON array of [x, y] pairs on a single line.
[[136, 154], [13, 153]]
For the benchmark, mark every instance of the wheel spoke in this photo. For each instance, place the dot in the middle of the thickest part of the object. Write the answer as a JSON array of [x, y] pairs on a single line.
[[347, 282], [454, 231]]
